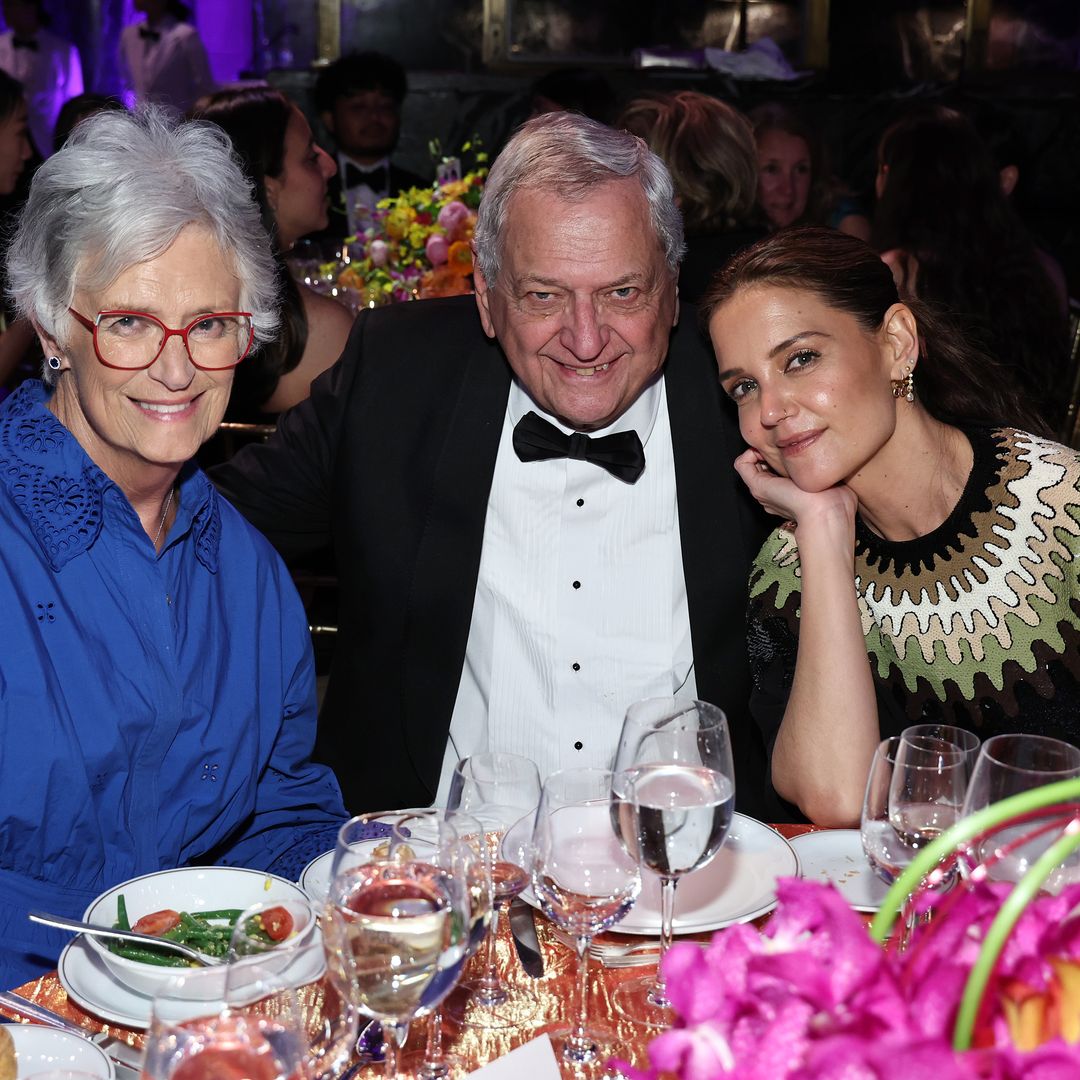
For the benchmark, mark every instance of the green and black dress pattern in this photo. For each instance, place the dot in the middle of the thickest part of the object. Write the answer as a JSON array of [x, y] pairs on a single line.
[[975, 624]]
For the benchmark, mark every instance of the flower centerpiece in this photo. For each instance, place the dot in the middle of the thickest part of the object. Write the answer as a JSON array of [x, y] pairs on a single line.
[[417, 243], [988, 988]]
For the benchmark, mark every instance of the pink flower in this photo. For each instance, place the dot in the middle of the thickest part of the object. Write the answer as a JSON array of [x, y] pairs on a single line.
[[437, 249], [379, 252], [452, 215]]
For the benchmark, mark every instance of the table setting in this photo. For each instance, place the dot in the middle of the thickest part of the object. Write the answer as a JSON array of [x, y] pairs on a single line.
[[592, 914]]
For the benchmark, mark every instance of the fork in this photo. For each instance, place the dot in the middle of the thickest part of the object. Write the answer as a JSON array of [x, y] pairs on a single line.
[[613, 954], [62, 922]]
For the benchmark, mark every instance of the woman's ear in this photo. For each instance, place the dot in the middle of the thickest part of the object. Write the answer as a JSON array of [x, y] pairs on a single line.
[[272, 186], [901, 336], [52, 349]]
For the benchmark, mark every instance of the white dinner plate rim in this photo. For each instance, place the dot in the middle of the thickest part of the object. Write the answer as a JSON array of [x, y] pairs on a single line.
[[806, 846], [763, 905], [121, 998], [19, 1031]]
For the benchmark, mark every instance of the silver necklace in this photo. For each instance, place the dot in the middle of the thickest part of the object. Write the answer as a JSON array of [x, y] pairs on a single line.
[[164, 515]]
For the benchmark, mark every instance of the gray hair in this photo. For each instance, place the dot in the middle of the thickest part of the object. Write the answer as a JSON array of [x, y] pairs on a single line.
[[570, 156], [119, 193]]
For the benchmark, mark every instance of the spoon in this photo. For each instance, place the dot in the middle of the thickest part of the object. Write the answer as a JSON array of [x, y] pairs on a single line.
[[61, 922]]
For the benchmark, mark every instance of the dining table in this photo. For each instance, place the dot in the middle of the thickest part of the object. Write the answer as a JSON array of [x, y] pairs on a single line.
[[470, 1046]]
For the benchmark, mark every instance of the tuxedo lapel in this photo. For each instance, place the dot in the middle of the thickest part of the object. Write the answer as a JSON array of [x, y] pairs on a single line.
[[440, 602]]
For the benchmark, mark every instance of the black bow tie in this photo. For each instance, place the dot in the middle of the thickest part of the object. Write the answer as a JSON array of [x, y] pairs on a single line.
[[25, 43], [621, 454], [149, 35], [376, 179]]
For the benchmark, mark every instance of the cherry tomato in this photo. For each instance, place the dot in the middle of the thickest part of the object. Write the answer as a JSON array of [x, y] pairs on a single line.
[[158, 922], [277, 922]]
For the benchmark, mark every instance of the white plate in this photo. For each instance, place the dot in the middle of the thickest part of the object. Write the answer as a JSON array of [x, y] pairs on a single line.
[[836, 856], [315, 877], [44, 1049], [737, 886], [89, 983]]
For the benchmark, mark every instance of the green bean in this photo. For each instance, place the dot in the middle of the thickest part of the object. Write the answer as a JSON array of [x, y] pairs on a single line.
[[227, 914], [149, 956], [122, 922]]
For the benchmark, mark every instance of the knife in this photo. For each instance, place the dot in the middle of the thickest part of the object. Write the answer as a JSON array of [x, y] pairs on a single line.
[[523, 931], [126, 1059]]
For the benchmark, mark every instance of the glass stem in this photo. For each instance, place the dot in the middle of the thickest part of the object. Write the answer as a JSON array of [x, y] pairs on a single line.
[[390, 1052], [434, 1062], [578, 1042], [488, 985], [658, 995]]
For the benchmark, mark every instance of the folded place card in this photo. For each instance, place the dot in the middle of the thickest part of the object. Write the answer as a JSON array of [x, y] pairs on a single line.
[[535, 1060]]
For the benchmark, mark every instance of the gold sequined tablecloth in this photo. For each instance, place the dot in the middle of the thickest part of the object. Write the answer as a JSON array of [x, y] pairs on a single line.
[[554, 991]]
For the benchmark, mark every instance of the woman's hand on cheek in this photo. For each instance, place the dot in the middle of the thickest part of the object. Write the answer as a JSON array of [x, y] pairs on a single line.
[[784, 498]]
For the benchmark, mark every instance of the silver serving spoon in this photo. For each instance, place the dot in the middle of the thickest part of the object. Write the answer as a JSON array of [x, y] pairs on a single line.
[[61, 922]]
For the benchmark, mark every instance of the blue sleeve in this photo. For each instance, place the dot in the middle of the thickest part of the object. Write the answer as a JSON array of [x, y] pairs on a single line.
[[298, 806]]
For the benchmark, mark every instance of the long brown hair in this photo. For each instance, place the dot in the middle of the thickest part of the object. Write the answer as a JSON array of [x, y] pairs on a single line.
[[958, 383]]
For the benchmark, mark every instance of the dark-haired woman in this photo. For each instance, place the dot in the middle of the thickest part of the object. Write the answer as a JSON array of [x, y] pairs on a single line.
[[924, 530], [290, 171], [946, 228]]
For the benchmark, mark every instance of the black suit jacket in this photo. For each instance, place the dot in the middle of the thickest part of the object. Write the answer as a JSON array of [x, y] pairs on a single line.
[[392, 458]]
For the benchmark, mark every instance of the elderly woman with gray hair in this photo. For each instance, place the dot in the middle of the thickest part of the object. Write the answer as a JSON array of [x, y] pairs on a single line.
[[156, 678]]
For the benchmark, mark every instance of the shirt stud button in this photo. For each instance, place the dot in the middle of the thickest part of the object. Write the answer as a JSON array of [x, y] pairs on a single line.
[[577, 584], [576, 666], [577, 746]]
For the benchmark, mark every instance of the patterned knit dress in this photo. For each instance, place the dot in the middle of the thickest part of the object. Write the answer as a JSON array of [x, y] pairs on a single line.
[[975, 624]]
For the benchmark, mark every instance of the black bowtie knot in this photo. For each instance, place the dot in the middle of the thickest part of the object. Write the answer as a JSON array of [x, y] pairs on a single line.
[[24, 43], [621, 454], [376, 179], [149, 35]]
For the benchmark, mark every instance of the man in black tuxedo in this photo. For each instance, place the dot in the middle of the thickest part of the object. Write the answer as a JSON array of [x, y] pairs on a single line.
[[359, 99], [535, 515]]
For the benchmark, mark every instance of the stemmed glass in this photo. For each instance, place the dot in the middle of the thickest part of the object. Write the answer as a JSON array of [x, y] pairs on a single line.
[[672, 801], [209, 1023], [402, 920], [585, 883], [1008, 765], [497, 789], [461, 848]]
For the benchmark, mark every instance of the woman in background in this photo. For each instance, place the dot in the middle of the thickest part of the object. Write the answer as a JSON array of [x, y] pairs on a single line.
[[928, 529], [289, 171], [708, 148], [945, 227], [795, 186]]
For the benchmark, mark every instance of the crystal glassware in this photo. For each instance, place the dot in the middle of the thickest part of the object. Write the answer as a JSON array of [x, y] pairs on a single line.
[[585, 883], [672, 801]]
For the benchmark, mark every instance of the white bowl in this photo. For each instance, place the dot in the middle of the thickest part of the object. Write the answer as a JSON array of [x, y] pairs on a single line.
[[188, 888], [40, 1049]]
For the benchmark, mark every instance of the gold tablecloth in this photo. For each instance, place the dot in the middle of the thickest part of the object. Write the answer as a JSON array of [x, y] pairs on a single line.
[[555, 993]]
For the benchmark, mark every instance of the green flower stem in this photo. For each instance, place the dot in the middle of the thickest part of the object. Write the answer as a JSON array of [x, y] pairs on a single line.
[[964, 830], [999, 931]]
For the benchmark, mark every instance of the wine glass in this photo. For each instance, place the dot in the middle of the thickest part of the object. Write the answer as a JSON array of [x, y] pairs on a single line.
[[585, 882], [1008, 765], [497, 789], [404, 922], [460, 847], [672, 801], [204, 1024]]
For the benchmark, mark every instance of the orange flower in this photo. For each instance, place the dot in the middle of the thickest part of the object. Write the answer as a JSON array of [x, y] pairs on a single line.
[[443, 281], [460, 258]]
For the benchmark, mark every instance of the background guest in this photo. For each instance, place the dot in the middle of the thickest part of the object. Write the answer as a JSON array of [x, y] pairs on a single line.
[[162, 58], [924, 530], [46, 65], [359, 98], [152, 635], [290, 173], [795, 185], [950, 235], [79, 108], [709, 149]]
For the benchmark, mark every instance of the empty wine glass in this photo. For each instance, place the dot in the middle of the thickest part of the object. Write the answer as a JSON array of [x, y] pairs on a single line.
[[497, 789], [672, 800], [585, 883], [404, 923], [1008, 765], [204, 1024]]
